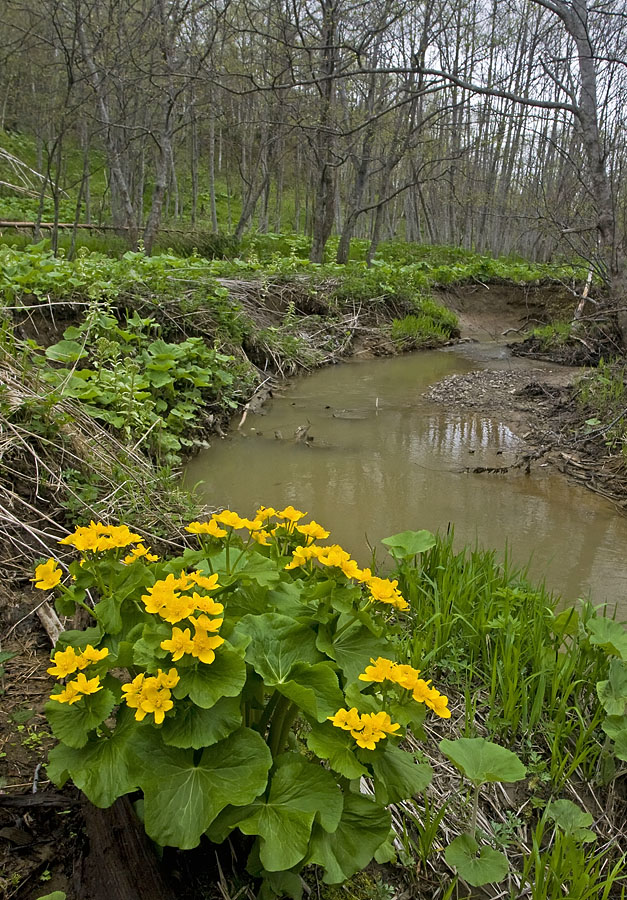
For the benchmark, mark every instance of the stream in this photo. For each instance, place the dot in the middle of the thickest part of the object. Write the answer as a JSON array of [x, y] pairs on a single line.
[[384, 459]]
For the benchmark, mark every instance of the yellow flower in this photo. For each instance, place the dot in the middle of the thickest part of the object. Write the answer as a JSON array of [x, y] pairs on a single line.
[[421, 690], [65, 663], [439, 704], [333, 556], [381, 670], [176, 608], [204, 623], [99, 537], [91, 655], [209, 583], [261, 537], [381, 722], [313, 531], [47, 575], [86, 685], [139, 552], [207, 605], [179, 644], [211, 528], [350, 568], [291, 514], [168, 679], [69, 695], [265, 512], [347, 719], [161, 593], [230, 519], [302, 555], [133, 691], [156, 701], [385, 591], [369, 734], [406, 677], [203, 646]]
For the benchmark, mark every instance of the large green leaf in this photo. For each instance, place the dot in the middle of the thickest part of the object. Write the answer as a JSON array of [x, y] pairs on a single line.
[[613, 692], [397, 774], [482, 761], [181, 799], [102, 769], [408, 543], [72, 723], [364, 826], [611, 636], [484, 867], [260, 569], [336, 745], [66, 351], [353, 649], [195, 727], [300, 791], [314, 689], [277, 644], [206, 684], [572, 820]]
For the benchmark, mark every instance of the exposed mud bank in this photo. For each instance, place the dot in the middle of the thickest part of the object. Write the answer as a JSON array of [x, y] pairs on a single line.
[[536, 400]]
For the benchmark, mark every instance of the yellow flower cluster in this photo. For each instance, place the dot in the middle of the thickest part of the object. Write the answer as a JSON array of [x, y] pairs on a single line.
[[47, 575], [175, 599], [66, 662], [98, 537], [261, 535], [140, 552], [367, 729], [151, 694], [381, 589], [407, 677]]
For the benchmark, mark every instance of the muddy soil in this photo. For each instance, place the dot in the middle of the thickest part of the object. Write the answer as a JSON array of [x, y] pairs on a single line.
[[537, 401]]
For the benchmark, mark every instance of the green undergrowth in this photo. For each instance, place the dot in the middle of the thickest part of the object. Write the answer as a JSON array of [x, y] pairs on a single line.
[[552, 336], [527, 667], [602, 400]]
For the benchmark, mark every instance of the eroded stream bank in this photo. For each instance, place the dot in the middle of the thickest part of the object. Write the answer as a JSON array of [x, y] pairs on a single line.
[[385, 458]]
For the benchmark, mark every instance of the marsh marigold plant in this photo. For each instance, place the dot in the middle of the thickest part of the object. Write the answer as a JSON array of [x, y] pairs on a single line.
[[248, 683]]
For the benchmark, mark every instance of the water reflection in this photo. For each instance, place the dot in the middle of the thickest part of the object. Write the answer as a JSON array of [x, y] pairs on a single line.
[[384, 460]]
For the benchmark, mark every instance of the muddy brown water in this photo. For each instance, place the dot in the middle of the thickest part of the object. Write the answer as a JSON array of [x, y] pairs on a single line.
[[384, 459]]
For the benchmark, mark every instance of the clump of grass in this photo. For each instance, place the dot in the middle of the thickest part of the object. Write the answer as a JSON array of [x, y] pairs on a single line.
[[602, 398], [491, 635], [552, 336]]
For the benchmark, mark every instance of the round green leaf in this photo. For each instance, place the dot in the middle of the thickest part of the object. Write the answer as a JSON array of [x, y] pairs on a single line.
[[72, 723], [181, 799], [277, 644], [195, 727], [336, 745], [611, 636], [483, 868], [363, 828], [102, 769], [397, 775], [300, 791], [482, 761], [409, 543], [571, 819], [206, 684], [315, 689], [613, 692]]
